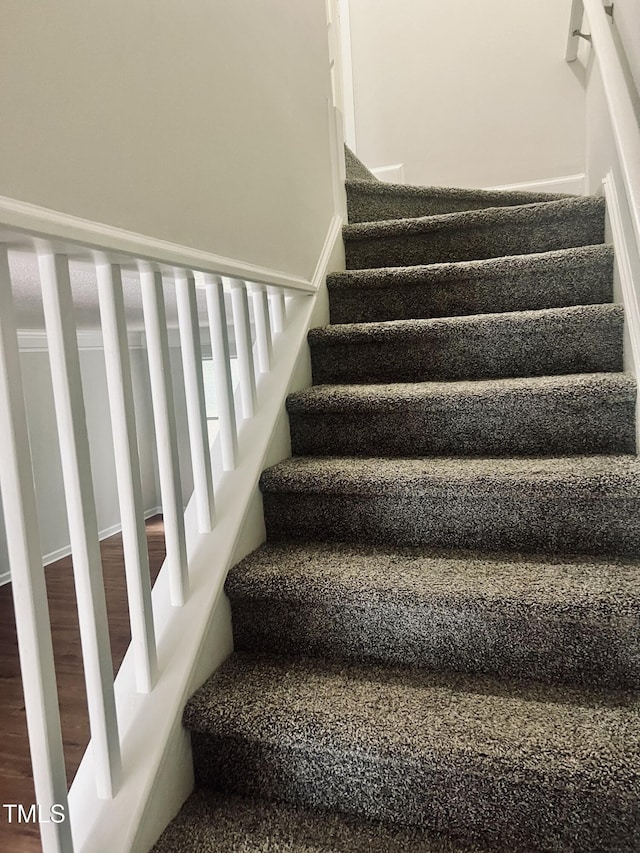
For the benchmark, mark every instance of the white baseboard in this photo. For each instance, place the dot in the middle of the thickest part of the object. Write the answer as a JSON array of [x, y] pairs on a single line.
[[390, 174], [60, 553], [570, 184]]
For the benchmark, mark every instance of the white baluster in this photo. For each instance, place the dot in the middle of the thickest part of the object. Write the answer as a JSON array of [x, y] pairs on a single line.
[[28, 583], [194, 393], [244, 347], [216, 311], [81, 512], [164, 417], [277, 309], [125, 445], [263, 326]]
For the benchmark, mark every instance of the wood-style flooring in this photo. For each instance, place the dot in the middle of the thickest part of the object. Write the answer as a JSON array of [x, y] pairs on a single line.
[[16, 783]]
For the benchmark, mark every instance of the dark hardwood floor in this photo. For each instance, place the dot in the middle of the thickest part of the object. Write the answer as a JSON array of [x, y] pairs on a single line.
[[16, 783]]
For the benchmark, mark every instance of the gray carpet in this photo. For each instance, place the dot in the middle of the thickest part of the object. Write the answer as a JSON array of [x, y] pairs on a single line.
[[581, 276], [371, 202], [477, 234], [438, 647], [567, 415], [416, 747], [578, 339], [556, 620]]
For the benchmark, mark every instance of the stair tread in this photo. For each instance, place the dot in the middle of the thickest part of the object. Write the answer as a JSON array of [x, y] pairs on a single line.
[[211, 822], [353, 573], [386, 188], [561, 736], [611, 476], [391, 329], [486, 217], [422, 274], [367, 397]]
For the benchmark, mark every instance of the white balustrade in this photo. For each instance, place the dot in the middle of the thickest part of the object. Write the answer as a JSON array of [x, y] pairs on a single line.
[[194, 393], [127, 464], [277, 309], [263, 327], [244, 347], [155, 323], [28, 584], [220, 355], [83, 529]]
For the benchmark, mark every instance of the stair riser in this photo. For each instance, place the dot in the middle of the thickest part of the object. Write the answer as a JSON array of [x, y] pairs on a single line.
[[503, 517], [467, 800], [475, 243], [527, 291], [528, 425], [546, 645], [494, 349]]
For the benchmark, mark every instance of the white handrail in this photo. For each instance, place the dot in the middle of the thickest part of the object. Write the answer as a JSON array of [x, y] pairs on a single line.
[[624, 123]]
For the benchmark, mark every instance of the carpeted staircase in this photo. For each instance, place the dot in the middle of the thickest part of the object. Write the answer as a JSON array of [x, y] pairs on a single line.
[[438, 647]]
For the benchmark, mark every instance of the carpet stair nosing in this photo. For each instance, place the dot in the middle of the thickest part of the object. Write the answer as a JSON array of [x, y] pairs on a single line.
[[563, 415], [576, 276], [478, 346], [370, 201], [446, 750], [570, 621], [551, 504]]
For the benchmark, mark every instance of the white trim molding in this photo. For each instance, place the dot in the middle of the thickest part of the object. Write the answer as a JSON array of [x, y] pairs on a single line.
[[53, 225], [35, 340], [569, 184], [390, 174]]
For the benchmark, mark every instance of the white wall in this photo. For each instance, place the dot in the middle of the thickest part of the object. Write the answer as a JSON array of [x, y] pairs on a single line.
[[626, 18], [466, 93], [204, 123]]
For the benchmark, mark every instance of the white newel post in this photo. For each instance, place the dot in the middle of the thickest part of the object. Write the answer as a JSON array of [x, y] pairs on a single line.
[[155, 325], [83, 528], [125, 445], [194, 394], [28, 584], [220, 355]]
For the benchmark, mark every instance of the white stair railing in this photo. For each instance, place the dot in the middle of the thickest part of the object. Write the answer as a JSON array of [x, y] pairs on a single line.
[[256, 360]]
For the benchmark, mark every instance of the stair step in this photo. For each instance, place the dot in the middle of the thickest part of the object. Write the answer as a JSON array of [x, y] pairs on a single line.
[[515, 764], [211, 822], [573, 620], [476, 234], [369, 201], [582, 504], [579, 276], [481, 346], [563, 415]]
